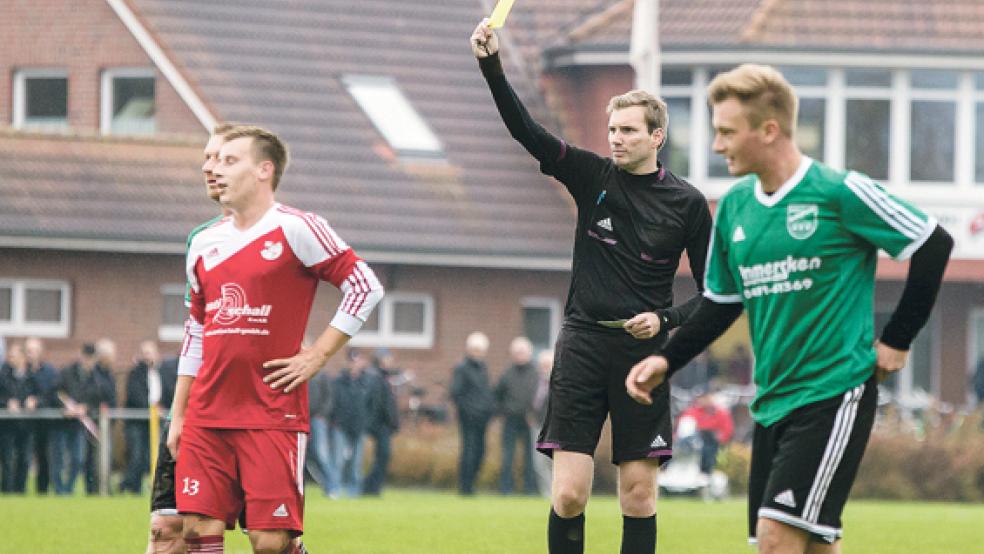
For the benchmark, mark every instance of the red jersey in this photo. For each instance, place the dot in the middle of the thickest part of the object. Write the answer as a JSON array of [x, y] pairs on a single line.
[[252, 292]]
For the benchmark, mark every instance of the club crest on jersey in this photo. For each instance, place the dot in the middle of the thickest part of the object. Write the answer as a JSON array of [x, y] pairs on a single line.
[[802, 220], [272, 250]]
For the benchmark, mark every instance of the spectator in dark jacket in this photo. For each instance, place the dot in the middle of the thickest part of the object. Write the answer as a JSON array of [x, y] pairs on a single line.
[[472, 394], [514, 396], [350, 407], [46, 377], [144, 388], [384, 418], [320, 463], [19, 392], [979, 381], [86, 389]]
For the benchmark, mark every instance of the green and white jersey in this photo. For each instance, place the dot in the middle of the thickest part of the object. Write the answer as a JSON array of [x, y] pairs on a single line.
[[191, 236], [802, 261]]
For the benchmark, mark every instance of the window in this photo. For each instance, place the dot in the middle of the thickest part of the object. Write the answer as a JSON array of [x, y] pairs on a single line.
[[173, 313], [933, 135], [34, 307], [541, 321], [867, 138], [128, 102], [393, 116], [40, 99], [404, 320], [676, 153]]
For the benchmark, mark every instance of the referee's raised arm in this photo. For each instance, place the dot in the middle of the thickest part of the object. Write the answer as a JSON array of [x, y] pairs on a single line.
[[538, 142]]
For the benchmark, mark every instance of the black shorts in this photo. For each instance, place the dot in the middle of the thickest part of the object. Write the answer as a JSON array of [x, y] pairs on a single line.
[[588, 383], [803, 466], [162, 500]]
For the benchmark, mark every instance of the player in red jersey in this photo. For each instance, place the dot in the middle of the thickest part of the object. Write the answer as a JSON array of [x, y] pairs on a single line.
[[241, 435]]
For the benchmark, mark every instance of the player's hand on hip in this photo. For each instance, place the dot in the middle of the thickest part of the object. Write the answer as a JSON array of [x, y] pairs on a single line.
[[643, 326], [888, 360], [644, 377], [174, 435], [290, 373], [484, 43]]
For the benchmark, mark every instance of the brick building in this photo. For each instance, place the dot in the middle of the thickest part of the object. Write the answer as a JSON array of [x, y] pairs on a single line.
[[105, 104]]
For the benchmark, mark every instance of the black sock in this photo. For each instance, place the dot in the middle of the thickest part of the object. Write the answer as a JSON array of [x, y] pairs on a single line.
[[565, 535], [639, 535]]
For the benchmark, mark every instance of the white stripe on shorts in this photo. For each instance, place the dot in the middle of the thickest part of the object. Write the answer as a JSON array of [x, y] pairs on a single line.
[[301, 450], [836, 445]]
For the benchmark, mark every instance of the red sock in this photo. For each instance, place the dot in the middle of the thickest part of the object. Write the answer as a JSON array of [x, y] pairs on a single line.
[[209, 544]]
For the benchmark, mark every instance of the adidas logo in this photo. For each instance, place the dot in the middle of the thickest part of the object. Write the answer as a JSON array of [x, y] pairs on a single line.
[[605, 224], [785, 498], [658, 442], [281, 511], [739, 234]]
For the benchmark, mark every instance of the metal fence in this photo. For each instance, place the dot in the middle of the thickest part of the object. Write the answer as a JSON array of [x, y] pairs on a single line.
[[100, 430]]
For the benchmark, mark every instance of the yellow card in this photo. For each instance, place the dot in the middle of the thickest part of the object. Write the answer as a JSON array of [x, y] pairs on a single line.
[[499, 14]]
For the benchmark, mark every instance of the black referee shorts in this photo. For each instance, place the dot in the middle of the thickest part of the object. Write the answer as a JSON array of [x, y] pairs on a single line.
[[588, 383], [803, 466], [162, 501]]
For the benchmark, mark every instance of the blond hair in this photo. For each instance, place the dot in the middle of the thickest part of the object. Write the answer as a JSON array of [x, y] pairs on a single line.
[[266, 147], [657, 116], [762, 90]]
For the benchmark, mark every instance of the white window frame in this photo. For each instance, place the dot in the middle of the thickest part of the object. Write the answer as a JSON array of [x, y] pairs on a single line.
[[900, 94], [106, 92], [556, 313], [19, 97], [18, 326], [171, 333], [425, 142], [386, 336]]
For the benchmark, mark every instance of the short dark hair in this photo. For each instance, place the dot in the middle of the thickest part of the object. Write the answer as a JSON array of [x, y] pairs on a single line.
[[89, 349], [267, 146]]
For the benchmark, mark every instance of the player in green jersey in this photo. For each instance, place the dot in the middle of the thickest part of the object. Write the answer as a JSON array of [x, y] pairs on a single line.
[[795, 243]]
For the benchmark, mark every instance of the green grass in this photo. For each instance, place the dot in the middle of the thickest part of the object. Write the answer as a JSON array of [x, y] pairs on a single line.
[[412, 522]]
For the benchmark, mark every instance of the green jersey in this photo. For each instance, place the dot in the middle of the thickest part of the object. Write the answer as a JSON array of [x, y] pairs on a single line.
[[802, 261], [191, 236]]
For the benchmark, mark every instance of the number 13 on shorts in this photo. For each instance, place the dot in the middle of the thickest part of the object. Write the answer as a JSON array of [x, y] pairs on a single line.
[[190, 486]]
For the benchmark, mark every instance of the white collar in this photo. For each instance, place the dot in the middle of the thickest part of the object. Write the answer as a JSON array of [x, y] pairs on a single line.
[[770, 200]]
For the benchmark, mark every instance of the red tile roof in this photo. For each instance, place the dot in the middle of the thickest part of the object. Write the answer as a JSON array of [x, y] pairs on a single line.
[[89, 188], [875, 25]]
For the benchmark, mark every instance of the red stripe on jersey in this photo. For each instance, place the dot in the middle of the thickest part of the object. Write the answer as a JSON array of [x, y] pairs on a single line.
[[338, 269], [325, 229], [326, 242], [186, 344], [197, 310]]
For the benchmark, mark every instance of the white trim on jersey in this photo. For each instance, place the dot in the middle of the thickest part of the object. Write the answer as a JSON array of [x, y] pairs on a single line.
[[770, 200], [310, 237], [908, 251], [836, 445], [361, 292], [891, 212], [721, 298], [190, 360], [828, 533]]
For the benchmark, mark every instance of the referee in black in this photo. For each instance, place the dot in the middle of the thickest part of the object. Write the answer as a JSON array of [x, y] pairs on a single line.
[[634, 220]]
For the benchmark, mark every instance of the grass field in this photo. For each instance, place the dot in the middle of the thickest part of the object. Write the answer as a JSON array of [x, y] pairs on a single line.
[[412, 522]]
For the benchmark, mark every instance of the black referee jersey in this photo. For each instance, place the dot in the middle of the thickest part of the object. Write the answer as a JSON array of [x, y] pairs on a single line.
[[631, 229]]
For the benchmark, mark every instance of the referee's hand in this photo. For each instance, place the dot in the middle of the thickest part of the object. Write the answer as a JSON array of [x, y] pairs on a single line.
[[484, 43], [643, 326], [644, 377]]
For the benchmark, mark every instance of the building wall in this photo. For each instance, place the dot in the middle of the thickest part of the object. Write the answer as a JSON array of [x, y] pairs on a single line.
[[580, 96], [83, 37]]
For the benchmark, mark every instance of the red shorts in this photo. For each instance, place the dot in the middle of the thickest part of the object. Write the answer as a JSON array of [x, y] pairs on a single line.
[[221, 471]]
